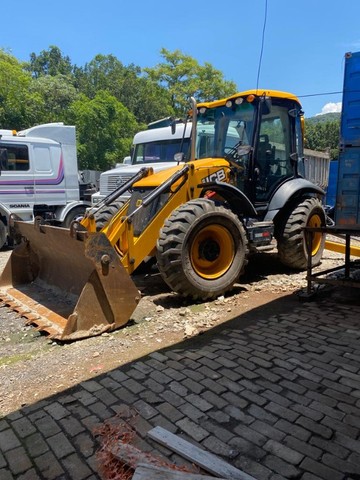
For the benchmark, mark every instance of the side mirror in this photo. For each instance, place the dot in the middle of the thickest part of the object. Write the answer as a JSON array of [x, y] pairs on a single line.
[[294, 157], [295, 112], [266, 105], [179, 157]]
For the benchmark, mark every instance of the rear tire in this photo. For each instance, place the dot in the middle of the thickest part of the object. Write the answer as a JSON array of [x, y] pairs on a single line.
[[202, 250], [291, 238], [103, 216]]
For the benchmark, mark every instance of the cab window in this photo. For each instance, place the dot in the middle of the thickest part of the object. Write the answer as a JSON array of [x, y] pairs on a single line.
[[14, 157], [160, 151]]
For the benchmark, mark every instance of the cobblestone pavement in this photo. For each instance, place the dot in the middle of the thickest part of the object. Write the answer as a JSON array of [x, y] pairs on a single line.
[[275, 392]]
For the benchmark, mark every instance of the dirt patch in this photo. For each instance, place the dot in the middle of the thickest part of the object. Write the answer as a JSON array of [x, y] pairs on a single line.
[[33, 367]]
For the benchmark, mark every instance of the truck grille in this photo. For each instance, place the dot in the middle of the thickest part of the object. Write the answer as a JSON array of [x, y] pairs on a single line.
[[110, 182]]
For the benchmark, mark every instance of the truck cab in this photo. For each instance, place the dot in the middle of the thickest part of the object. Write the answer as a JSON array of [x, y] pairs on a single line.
[[154, 148], [39, 176]]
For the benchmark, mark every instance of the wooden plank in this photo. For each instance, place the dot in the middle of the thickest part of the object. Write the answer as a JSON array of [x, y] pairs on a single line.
[[132, 456], [149, 472], [207, 461]]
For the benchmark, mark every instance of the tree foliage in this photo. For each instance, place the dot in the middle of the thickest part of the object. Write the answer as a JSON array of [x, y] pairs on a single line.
[[49, 62], [143, 97], [182, 76], [323, 135], [104, 130], [19, 107], [108, 101], [56, 94]]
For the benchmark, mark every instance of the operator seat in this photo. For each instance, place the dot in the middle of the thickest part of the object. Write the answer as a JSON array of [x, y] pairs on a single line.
[[265, 162], [266, 155]]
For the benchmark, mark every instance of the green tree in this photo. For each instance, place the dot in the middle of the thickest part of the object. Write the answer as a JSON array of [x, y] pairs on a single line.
[[182, 76], [50, 62], [142, 96], [19, 107], [105, 129], [103, 72], [145, 98], [55, 94], [322, 136]]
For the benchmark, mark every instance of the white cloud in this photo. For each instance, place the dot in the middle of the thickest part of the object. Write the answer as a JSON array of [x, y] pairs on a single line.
[[330, 107]]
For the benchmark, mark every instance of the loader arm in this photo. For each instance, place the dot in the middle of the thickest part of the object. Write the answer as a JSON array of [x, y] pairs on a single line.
[[184, 184], [132, 248], [142, 246], [88, 222]]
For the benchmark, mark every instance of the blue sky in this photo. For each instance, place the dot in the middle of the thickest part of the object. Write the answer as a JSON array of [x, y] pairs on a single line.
[[303, 53]]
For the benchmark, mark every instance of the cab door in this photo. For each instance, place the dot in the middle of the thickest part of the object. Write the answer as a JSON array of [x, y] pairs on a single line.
[[272, 162], [49, 178], [17, 189]]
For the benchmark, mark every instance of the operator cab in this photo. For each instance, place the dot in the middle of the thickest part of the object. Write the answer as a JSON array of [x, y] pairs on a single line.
[[261, 134]]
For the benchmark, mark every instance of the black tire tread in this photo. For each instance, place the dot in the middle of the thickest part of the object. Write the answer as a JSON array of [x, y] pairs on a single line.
[[291, 243], [103, 216], [170, 245]]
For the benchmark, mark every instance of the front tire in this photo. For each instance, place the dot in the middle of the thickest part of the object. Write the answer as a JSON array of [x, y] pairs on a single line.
[[291, 238], [202, 250], [74, 214]]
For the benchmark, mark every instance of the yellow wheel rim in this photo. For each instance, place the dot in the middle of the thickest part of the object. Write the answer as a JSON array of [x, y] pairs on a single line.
[[212, 252], [315, 221]]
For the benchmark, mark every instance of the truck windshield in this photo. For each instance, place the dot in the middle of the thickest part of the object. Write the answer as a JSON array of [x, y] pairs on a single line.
[[160, 151], [231, 127]]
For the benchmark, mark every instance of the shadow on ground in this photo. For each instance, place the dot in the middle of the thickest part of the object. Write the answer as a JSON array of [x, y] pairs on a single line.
[[274, 391]]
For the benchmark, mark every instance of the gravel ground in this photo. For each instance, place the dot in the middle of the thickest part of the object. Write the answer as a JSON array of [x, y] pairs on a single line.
[[33, 367]]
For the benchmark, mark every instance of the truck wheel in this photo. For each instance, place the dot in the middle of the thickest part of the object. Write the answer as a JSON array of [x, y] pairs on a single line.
[[291, 238], [202, 250], [103, 216], [74, 214]]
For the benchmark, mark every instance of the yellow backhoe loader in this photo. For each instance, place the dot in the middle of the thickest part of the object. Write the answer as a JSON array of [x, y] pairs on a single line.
[[239, 189]]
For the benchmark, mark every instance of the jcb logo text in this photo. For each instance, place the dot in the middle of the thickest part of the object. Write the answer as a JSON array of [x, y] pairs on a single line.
[[219, 175]]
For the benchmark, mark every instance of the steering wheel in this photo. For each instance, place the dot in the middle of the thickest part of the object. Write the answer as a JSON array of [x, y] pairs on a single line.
[[231, 153]]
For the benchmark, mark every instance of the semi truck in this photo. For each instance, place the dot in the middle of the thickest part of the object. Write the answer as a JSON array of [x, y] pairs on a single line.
[[39, 177], [153, 148]]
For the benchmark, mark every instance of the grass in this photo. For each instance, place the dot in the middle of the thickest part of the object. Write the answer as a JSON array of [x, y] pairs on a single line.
[[11, 359]]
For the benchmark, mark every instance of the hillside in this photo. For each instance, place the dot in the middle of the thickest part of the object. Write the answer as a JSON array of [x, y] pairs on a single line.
[[326, 117]]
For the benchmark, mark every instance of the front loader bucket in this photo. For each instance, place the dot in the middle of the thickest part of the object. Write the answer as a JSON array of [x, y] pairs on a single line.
[[70, 286]]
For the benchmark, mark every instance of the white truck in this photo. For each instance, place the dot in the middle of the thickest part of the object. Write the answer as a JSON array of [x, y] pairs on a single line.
[[39, 177], [153, 148]]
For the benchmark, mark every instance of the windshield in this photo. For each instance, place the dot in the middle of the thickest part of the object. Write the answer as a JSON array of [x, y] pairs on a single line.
[[160, 151], [230, 127]]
